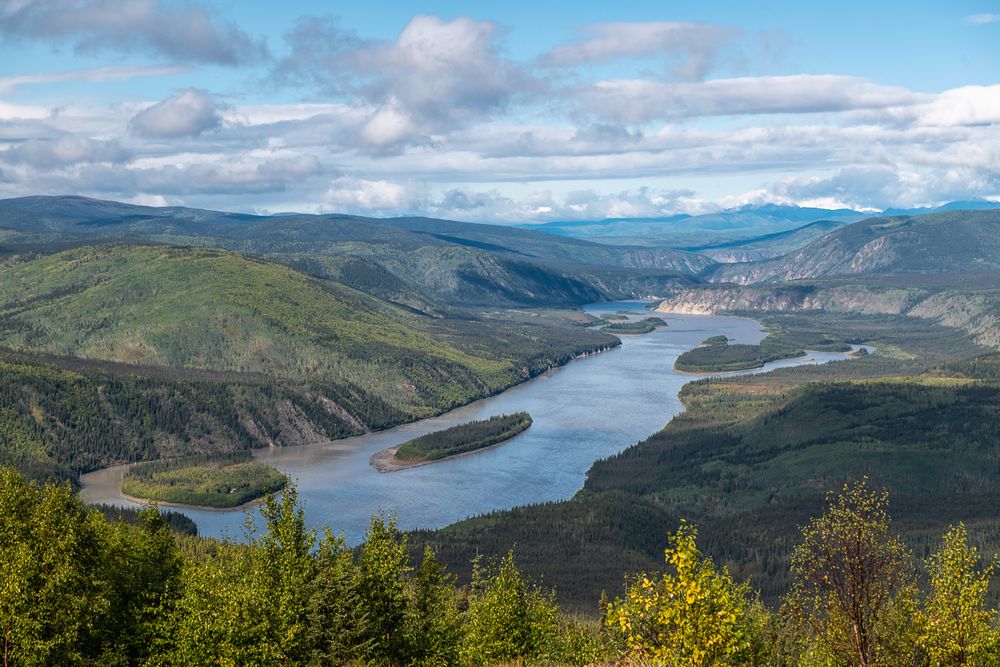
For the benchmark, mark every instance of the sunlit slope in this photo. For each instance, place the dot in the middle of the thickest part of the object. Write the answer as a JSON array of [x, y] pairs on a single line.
[[183, 307]]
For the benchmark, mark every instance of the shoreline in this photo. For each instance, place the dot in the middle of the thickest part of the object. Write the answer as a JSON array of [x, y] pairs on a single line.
[[803, 358], [385, 460], [206, 508], [123, 467]]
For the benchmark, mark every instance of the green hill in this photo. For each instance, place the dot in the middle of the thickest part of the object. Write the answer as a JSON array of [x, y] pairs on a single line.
[[149, 351]]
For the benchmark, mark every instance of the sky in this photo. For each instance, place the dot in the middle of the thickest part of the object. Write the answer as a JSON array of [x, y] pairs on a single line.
[[501, 112]]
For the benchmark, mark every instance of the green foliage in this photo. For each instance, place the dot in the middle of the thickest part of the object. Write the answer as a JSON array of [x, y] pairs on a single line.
[[75, 589], [956, 627], [508, 618], [852, 583], [433, 621], [246, 604], [696, 616], [643, 326], [178, 522], [229, 480], [464, 438]]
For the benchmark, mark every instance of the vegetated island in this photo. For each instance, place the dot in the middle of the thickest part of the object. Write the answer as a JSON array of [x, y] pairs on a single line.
[[717, 355], [643, 326], [213, 481], [455, 441]]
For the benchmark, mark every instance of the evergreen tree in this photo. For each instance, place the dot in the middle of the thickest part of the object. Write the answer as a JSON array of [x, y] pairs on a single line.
[[508, 618]]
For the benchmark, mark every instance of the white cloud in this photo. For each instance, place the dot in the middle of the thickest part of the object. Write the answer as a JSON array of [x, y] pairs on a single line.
[[185, 32], [878, 187], [436, 76], [95, 74], [693, 46], [63, 151], [982, 19], [641, 100], [373, 197], [187, 114], [968, 105]]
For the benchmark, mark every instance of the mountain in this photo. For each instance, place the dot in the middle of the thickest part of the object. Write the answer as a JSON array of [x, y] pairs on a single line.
[[946, 241], [962, 205], [684, 231], [768, 245], [451, 262]]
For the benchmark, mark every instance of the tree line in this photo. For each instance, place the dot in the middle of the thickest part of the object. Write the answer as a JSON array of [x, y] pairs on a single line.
[[78, 589]]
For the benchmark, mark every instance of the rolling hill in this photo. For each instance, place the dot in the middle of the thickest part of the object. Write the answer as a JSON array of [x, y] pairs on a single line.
[[203, 308], [455, 263]]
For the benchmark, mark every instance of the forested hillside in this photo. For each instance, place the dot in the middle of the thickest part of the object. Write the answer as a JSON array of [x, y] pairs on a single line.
[[752, 457], [950, 241], [138, 352]]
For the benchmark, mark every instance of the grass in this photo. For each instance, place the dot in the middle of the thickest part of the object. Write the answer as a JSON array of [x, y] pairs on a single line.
[[217, 482], [464, 438]]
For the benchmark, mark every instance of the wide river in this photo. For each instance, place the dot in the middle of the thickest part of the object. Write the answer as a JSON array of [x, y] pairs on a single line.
[[587, 410]]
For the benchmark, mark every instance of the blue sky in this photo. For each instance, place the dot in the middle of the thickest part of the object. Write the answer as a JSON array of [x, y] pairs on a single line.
[[501, 112]]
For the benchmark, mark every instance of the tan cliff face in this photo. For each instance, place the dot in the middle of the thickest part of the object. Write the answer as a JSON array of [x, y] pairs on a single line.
[[976, 314], [780, 299]]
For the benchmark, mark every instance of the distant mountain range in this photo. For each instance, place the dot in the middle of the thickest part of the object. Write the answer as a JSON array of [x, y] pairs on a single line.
[[406, 260], [712, 231]]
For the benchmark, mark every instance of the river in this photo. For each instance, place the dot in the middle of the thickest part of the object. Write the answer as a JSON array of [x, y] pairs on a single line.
[[589, 409]]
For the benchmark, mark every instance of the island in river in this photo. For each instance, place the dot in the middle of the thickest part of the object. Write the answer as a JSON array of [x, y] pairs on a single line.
[[211, 481], [636, 327], [450, 442], [718, 355]]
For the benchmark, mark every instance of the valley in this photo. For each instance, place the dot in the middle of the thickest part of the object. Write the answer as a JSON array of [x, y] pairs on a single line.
[[123, 347], [514, 334]]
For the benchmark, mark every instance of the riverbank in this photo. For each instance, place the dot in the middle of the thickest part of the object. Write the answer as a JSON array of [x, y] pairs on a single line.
[[583, 412], [385, 461]]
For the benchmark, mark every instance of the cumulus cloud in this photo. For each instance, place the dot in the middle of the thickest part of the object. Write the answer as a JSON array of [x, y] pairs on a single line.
[[878, 187], [185, 32], [642, 100], [436, 76], [692, 46], [186, 114], [373, 197]]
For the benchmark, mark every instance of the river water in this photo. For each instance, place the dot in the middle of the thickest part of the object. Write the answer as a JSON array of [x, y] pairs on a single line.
[[589, 409]]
